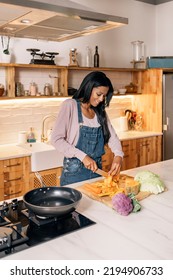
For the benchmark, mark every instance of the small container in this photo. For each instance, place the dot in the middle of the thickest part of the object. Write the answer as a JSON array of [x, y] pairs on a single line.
[[19, 89], [22, 137], [47, 89], [123, 123], [122, 90], [33, 89], [31, 136]]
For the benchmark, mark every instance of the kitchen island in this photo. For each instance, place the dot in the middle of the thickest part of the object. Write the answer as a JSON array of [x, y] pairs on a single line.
[[147, 234]]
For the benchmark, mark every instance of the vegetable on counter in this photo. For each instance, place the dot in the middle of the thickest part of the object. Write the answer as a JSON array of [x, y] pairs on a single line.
[[122, 204], [150, 182]]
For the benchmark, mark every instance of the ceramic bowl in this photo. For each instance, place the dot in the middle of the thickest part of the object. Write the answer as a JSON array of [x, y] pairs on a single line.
[[122, 90]]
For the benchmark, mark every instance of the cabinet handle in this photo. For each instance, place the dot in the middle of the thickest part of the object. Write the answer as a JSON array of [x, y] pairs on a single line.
[[144, 145], [127, 145], [8, 194], [16, 179], [12, 165]]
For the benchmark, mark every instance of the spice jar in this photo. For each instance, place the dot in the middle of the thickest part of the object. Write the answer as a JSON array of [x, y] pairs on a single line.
[[33, 89], [47, 89]]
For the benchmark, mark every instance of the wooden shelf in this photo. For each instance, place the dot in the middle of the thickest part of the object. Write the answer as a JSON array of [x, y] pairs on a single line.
[[63, 74]]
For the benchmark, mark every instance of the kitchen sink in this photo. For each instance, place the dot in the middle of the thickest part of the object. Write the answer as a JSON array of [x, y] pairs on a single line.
[[43, 156]]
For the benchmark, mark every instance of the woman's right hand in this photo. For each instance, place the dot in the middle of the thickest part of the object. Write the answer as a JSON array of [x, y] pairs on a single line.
[[89, 163]]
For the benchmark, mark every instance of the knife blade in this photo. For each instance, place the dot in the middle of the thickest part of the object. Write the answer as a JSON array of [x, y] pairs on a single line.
[[101, 172]]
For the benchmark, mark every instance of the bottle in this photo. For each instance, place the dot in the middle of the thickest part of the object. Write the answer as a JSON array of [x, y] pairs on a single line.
[[88, 57], [31, 136], [96, 57]]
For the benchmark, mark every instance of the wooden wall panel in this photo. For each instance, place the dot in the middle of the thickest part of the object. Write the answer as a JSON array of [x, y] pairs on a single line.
[[149, 103]]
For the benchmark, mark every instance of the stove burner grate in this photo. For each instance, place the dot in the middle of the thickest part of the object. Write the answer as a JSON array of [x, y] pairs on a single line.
[[11, 236]]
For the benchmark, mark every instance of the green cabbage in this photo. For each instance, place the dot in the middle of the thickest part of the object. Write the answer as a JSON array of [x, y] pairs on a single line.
[[150, 182]]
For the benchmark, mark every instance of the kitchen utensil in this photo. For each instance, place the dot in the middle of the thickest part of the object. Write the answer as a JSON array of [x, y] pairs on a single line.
[[101, 172], [52, 201]]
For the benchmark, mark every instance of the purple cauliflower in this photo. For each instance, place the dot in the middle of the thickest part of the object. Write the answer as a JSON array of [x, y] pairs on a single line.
[[122, 204]]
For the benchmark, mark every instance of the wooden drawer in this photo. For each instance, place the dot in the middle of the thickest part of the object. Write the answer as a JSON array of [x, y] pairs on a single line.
[[11, 165], [13, 189], [13, 176]]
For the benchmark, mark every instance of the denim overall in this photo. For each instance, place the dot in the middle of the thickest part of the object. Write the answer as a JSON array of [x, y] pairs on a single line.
[[91, 142]]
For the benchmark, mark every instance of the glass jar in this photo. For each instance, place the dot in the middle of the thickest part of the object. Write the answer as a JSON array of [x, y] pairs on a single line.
[[47, 89], [33, 89], [138, 50]]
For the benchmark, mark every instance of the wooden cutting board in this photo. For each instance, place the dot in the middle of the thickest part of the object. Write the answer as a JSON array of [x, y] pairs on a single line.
[[107, 200]]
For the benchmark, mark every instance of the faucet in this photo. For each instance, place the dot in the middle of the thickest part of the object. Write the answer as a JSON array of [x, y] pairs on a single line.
[[43, 137]]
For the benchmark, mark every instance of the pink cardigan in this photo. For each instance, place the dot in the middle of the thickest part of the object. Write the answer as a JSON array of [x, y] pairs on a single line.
[[66, 132]]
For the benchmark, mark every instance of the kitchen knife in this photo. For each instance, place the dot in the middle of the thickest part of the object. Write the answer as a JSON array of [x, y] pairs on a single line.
[[101, 172]]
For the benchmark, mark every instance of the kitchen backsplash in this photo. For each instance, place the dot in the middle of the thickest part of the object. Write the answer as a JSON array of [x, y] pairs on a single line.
[[18, 115]]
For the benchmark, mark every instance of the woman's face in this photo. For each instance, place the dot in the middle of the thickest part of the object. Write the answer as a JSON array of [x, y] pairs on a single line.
[[98, 95]]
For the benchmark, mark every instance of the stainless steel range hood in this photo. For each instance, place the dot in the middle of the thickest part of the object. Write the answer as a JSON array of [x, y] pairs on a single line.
[[54, 21]]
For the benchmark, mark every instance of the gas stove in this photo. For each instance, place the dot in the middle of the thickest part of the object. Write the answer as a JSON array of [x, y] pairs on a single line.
[[21, 229]]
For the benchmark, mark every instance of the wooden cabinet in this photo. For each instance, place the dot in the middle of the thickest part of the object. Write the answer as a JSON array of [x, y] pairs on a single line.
[[130, 156], [137, 152], [14, 177], [149, 150], [60, 77], [50, 178]]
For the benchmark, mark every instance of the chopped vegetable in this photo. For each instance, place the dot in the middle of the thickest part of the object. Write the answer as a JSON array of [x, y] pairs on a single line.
[[150, 182]]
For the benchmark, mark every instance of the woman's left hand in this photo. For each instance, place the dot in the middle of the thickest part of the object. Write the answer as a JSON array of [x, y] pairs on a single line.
[[116, 166]]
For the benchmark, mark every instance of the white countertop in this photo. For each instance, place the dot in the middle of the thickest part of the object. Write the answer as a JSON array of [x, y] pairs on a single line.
[[147, 234], [134, 134], [14, 151]]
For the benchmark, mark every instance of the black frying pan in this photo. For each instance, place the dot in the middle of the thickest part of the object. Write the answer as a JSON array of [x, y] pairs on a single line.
[[52, 201]]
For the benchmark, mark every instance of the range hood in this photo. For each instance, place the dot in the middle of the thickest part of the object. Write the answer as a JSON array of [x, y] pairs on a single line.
[[52, 20]]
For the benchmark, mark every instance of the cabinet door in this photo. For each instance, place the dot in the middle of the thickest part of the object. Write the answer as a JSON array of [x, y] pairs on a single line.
[[155, 149], [15, 177], [130, 155], [50, 178], [144, 151]]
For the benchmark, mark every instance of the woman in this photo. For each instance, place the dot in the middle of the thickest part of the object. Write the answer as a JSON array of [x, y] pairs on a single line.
[[83, 128]]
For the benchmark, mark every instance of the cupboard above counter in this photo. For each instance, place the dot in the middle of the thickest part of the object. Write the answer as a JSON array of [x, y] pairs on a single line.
[[17, 78]]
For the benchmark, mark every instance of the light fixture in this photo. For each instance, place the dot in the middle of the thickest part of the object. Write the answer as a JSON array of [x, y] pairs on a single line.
[[25, 21]]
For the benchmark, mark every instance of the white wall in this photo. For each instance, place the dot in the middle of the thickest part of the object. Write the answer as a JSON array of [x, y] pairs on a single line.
[[164, 35], [149, 23]]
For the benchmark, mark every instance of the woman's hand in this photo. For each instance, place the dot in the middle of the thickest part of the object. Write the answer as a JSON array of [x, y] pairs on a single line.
[[89, 163], [116, 166]]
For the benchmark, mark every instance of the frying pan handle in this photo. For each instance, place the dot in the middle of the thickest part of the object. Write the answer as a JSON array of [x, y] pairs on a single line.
[[39, 177]]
